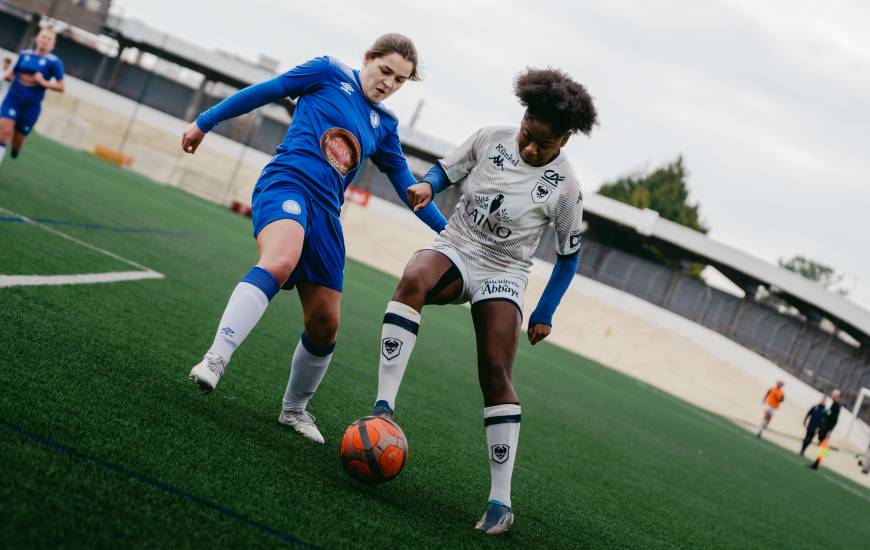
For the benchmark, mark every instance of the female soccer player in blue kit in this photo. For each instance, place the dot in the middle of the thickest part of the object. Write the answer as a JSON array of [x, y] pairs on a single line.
[[34, 72], [339, 121]]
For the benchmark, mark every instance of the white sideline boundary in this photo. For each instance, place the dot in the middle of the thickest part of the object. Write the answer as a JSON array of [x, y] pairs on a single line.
[[79, 279], [142, 272]]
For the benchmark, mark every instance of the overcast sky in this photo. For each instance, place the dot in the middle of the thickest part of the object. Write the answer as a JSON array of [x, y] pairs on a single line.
[[767, 101]]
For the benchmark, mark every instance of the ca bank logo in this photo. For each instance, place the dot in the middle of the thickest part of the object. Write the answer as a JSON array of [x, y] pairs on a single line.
[[348, 89], [42, 61], [291, 207], [375, 119]]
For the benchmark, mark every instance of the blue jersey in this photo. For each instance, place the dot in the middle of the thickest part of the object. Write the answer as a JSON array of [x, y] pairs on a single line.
[[30, 62], [335, 128]]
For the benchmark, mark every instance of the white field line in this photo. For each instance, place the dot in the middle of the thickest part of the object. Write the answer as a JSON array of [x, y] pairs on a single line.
[[79, 279], [86, 278]]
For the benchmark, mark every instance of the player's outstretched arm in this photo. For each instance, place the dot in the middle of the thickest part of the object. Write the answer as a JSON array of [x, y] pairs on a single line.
[[406, 186], [541, 320], [240, 103]]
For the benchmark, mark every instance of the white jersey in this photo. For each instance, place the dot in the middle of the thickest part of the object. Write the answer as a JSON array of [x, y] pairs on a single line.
[[506, 204]]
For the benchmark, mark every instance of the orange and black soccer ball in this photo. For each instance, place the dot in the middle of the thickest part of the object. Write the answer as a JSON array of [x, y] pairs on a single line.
[[373, 450]]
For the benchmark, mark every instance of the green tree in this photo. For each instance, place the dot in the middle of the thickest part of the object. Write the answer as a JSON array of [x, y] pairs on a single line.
[[814, 271], [664, 190]]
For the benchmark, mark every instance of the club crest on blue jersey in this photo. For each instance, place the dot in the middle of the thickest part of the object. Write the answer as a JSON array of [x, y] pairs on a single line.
[[391, 348], [291, 207], [375, 119], [341, 149]]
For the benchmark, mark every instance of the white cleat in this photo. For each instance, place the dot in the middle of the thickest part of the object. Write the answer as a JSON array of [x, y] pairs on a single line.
[[302, 422], [207, 373]]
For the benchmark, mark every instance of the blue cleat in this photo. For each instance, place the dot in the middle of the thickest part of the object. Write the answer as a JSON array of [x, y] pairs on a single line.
[[382, 409], [497, 519]]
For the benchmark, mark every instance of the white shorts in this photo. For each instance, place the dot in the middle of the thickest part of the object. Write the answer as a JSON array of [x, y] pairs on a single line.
[[768, 410], [480, 284]]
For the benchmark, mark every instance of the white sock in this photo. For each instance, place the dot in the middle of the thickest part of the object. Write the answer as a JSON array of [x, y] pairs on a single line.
[[398, 336], [306, 372], [502, 423], [246, 306], [762, 426], [2, 152]]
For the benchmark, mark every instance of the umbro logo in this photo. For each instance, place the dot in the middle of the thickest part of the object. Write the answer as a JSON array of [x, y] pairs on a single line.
[[347, 87], [228, 332]]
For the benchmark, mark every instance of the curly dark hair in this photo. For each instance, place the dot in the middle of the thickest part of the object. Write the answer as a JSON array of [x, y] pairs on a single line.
[[550, 95]]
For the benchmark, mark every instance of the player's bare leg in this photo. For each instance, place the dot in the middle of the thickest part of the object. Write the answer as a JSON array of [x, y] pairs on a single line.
[[279, 245], [18, 140], [497, 327], [321, 308], [7, 126], [429, 278]]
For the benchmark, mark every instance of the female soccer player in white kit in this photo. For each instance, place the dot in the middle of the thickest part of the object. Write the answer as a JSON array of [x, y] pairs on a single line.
[[515, 184]]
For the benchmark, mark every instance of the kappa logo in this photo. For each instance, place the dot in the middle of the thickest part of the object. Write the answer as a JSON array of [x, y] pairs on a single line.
[[498, 161], [347, 88], [391, 347], [291, 207], [551, 178], [540, 193], [374, 118], [500, 453]]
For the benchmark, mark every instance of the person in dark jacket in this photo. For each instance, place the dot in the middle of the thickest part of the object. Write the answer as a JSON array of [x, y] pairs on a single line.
[[813, 422], [828, 426]]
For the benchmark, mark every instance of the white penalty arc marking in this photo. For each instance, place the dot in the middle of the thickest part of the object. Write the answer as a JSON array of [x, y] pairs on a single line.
[[79, 279]]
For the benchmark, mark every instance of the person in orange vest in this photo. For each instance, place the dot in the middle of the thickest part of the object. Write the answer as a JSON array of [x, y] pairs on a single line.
[[772, 399]]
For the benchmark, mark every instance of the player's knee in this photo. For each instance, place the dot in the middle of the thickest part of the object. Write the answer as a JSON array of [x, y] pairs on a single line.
[[279, 265], [412, 287], [495, 376], [321, 327]]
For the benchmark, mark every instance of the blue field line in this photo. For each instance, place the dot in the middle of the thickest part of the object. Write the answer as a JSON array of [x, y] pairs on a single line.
[[47, 221], [160, 485]]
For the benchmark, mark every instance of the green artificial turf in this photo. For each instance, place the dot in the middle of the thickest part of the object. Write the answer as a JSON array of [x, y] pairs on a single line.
[[104, 442]]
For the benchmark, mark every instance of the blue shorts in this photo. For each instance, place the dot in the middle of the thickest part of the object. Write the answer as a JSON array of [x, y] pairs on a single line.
[[23, 111], [322, 259]]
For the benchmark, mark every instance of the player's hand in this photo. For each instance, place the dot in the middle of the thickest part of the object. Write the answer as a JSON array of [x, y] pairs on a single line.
[[419, 195], [538, 332], [40, 79], [191, 138]]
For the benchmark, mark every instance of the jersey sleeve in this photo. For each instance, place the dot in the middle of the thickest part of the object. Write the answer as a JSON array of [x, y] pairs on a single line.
[[459, 162], [57, 69], [567, 217], [389, 157], [303, 78]]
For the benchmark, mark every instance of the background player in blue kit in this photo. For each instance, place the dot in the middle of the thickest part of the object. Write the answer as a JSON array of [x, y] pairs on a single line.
[[34, 72], [338, 123]]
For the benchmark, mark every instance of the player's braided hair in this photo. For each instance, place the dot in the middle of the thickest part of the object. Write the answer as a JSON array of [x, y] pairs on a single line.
[[396, 43], [553, 97]]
